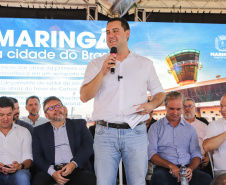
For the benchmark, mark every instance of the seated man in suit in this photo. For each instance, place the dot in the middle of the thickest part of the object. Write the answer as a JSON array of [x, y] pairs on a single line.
[[172, 142], [61, 148]]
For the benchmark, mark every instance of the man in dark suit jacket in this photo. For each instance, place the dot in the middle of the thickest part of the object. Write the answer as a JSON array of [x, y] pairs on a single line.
[[61, 148]]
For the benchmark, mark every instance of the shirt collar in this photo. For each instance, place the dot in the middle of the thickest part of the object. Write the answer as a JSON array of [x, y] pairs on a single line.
[[63, 126], [31, 120], [166, 121], [14, 125]]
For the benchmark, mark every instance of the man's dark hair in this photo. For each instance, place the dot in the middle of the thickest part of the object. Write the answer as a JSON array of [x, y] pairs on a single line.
[[50, 98], [32, 97], [124, 23], [6, 102], [14, 99]]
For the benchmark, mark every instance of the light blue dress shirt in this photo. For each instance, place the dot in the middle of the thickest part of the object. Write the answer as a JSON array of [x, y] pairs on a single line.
[[63, 153], [178, 145]]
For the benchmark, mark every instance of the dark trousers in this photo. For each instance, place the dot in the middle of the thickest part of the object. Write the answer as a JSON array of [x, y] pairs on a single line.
[[77, 177], [161, 176], [207, 169]]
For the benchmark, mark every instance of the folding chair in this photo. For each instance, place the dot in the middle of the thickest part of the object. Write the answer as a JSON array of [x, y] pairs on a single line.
[[211, 162]]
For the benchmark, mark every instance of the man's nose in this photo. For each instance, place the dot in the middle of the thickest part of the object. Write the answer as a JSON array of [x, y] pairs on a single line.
[[5, 117], [186, 107], [110, 35]]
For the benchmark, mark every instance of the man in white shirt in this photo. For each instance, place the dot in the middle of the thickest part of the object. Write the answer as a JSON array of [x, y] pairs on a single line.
[[200, 127], [15, 144], [121, 129], [33, 106], [216, 140]]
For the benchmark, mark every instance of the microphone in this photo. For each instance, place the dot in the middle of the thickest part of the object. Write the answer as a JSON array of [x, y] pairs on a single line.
[[113, 52]]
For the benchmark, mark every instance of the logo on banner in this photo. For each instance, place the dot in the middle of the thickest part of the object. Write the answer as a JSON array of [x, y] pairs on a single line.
[[220, 43]]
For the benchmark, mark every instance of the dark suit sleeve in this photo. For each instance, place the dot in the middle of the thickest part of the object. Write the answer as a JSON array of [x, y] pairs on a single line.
[[92, 130], [85, 150], [37, 149], [25, 124]]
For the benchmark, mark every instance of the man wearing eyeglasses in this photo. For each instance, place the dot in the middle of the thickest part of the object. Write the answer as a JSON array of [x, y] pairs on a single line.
[[200, 127], [61, 148]]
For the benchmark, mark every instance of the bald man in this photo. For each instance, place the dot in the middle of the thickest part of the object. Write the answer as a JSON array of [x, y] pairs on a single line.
[[216, 139]]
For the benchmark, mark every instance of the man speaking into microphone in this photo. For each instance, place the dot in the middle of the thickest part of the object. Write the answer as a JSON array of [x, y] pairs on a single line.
[[120, 106]]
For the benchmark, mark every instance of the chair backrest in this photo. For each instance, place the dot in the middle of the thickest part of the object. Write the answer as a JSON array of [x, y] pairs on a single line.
[[211, 162]]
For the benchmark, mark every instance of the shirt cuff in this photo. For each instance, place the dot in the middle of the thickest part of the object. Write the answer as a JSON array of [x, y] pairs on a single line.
[[27, 156], [150, 154], [51, 170], [76, 165]]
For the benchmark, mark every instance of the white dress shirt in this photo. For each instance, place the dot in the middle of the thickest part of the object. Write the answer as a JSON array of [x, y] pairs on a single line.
[[16, 145], [216, 128], [114, 96]]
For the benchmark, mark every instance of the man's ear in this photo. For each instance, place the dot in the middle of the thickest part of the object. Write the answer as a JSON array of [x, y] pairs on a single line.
[[46, 115], [127, 34]]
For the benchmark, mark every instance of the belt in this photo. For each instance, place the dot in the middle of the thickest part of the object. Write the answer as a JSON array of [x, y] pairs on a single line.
[[60, 166], [116, 125]]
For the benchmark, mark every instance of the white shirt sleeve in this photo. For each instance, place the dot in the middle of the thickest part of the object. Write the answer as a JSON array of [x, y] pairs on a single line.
[[212, 131], [26, 146], [93, 68], [154, 85]]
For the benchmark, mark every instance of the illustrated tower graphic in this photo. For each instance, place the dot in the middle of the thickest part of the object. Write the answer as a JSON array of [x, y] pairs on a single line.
[[184, 66]]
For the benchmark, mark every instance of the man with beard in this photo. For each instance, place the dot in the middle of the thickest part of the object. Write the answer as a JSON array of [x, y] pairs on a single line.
[[61, 148], [215, 140], [200, 127], [17, 115], [33, 106]]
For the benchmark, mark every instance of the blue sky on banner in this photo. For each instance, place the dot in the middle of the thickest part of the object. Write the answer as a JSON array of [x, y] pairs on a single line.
[[76, 42]]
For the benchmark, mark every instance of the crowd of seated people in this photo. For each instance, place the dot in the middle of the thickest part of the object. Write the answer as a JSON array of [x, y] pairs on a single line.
[[59, 149], [56, 152]]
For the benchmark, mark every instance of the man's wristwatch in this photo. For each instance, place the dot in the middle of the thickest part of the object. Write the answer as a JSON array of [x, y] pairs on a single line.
[[22, 165]]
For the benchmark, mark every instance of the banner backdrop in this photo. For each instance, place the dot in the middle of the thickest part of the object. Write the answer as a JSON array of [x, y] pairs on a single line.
[[47, 57]]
